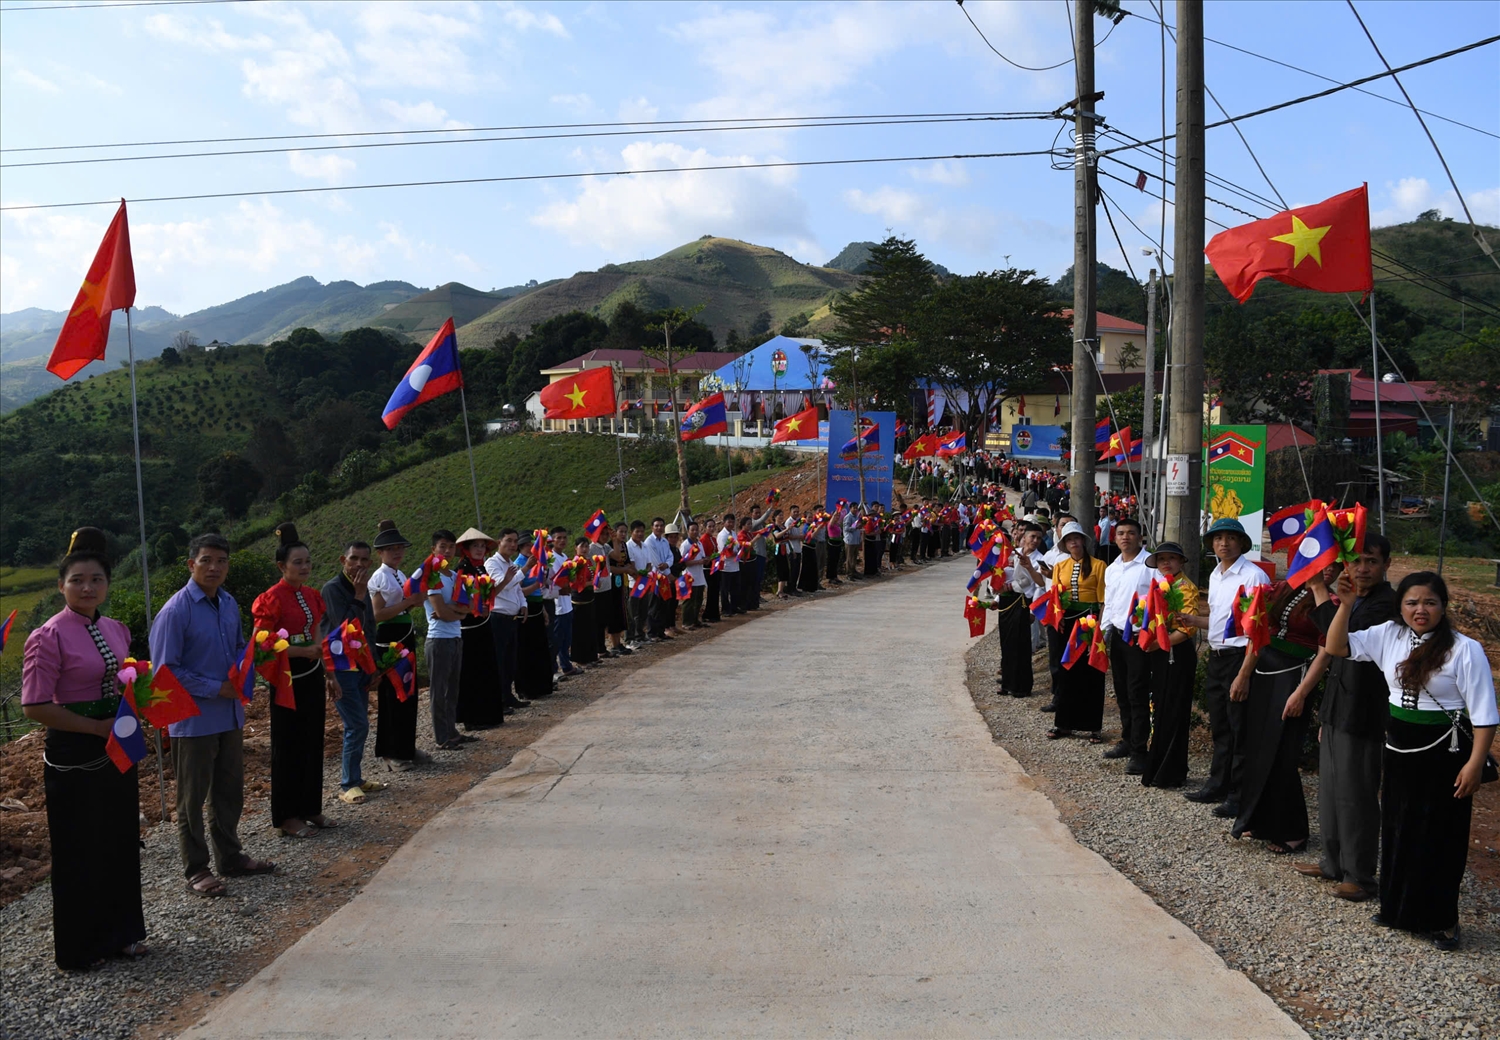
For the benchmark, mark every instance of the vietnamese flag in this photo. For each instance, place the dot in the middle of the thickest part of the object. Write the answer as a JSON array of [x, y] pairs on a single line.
[[589, 394], [923, 445], [974, 615], [164, 700], [1098, 653], [109, 286], [800, 427], [1324, 247]]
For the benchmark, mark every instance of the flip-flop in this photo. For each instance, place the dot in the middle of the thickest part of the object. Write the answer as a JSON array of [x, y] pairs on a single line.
[[135, 951]]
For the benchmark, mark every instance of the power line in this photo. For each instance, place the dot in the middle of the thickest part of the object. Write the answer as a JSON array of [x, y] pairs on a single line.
[[998, 116], [511, 138], [1478, 235], [1331, 90], [1017, 64], [124, 3], [1326, 79], [530, 177]]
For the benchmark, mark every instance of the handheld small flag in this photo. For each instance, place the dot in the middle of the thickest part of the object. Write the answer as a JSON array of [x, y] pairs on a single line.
[[974, 614], [5, 630], [594, 525], [1254, 625], [1288, 525], [156, 694], [684, 587], [643, 585], [1316, 549], [1098, 653], [433, 373], [1128, 633], [1234, 622], [127, 744], [1078, 641], [242, 675]]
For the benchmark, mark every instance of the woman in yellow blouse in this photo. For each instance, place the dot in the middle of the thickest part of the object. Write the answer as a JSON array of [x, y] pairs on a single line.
[[1080, 693], [1172, 673]]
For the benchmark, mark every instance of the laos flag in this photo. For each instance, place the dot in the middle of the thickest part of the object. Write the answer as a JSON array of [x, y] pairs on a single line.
[[434, 373], [595, 525], [706, 418], [1317, 548], [126, 745]]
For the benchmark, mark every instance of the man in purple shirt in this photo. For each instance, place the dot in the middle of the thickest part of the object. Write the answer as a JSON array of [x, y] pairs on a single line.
[[197, 635]]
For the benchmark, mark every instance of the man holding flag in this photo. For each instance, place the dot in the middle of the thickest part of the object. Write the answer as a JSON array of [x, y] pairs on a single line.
[[197, 636]]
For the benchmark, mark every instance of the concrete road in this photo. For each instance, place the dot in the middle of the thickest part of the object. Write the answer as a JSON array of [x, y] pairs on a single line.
[[801, 827]]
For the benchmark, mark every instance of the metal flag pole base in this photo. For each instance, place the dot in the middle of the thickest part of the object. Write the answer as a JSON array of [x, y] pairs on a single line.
[[473, 476], [140, 505]]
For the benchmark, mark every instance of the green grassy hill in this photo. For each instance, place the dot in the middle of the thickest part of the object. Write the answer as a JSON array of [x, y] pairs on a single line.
[[423, 315], [526, 481], [735, 280]]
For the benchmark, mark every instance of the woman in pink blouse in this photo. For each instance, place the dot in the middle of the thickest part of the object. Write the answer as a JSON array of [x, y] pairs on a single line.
[[68, 684]]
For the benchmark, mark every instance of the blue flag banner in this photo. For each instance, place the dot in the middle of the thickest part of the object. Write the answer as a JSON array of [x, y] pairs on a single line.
[[1036, 442], [877, 438]]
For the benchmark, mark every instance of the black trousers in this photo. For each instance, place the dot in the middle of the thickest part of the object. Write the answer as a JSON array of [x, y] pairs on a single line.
[[1226, 720], [1132, 674], [835, 557], [711, 597], [505, 630], [1013, 623], [729, 591]]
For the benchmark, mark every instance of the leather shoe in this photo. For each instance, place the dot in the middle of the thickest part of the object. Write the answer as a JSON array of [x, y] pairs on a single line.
[[1352, 892], [1205, 794], [1050, 706], [1018, 693], [1120, 750], [1227, 810], [1135, 767], [1314, 870]]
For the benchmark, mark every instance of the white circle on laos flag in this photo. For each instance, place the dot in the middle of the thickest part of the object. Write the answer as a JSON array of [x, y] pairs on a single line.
[[125, 727], [1308, 548], [419, 377]]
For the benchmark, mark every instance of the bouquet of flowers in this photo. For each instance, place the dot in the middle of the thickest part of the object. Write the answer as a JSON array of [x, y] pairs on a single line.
[[398, 664], [273, 665]]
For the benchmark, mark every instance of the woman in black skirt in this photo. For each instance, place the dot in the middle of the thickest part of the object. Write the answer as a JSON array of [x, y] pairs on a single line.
[[1172, 675], [68, 684], [396, 719], [1440, 728], [480, 702], [584, 648], [296, 732], [534, 657], [610, 601], [1080, 692]]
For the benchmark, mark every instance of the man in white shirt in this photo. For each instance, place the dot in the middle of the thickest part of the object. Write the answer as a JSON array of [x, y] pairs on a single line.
[[729, 587], [508, 613], [1124, 580], [638, 607], [659, 551], [558, 603], [791, 548], [690, 558], [1227, 684]]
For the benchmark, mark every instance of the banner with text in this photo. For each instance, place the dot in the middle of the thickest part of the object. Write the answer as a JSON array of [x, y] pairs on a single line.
[[1234, 479], [871, 447], [1037, 442]]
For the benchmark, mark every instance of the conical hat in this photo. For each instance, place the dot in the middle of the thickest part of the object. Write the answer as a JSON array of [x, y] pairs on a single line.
[[474, 534]]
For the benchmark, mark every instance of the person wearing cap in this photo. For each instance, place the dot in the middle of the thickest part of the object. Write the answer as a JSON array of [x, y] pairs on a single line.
[[444, 648], [1127, 579], [296, 729], [395, 719], [69, 685], [1079, 694], [347, 596], [480, 704], [1228, 675], [1172, 674], [197, 636]]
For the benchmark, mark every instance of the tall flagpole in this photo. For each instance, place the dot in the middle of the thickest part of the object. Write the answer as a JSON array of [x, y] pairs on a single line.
[[140, 507], [473, 476]]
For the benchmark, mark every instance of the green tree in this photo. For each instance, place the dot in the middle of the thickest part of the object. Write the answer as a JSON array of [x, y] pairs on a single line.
[[229, 482]]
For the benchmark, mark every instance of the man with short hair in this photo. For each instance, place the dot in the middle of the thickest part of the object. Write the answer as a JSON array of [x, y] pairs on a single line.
[[197, 635], [1352, 734], [638, 607], [1126, 580], [558, 603], [445, 648], [690, 562], [347, 597], [729, 572], [659, 553], [508, 613]]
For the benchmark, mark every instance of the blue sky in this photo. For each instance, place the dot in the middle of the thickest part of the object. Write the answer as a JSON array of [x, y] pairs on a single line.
[[146, 73]]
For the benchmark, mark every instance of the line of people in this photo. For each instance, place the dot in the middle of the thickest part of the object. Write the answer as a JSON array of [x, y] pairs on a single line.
[[1407, 717]]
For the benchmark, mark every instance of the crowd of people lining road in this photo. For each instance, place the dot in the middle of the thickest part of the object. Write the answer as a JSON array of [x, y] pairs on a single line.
[[1407, 715], [552, 605]]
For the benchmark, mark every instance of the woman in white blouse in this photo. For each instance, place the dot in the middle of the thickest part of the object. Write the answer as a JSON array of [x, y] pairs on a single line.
[[1441, 724]]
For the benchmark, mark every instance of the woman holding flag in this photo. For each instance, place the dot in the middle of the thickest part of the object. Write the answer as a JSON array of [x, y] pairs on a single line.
[[479, 697], [612, 598], [1080, 689], [297, 728], [534, 644], [585, 649], [396, 719], [69, 685], [1172, 674]]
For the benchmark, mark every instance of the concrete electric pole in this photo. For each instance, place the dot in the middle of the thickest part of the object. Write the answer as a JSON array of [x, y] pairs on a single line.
[[1185, 427], [1085, 332]]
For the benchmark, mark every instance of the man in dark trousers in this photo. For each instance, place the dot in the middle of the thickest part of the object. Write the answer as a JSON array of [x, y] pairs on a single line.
[[1352, 734]]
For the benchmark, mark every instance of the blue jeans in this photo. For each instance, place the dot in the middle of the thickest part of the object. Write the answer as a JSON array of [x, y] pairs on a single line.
[[354, 709], [562, 640]]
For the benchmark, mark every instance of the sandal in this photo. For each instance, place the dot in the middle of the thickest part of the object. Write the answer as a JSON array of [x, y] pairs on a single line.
[[305, 831], [1096, 738], [353, 796], [245, 867], [1275, 848], [323, 823], [135, 951], [1055, 733], [370, 786], [206, 885]]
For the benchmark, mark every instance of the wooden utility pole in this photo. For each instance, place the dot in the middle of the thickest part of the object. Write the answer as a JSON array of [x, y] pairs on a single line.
[[1185, 427], [1085, 333]]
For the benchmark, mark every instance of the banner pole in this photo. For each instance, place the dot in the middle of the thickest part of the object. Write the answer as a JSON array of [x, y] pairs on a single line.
[[473, 475], [140, 507]]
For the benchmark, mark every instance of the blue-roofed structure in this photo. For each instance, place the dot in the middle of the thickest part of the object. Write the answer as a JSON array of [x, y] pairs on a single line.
[[755, 371]]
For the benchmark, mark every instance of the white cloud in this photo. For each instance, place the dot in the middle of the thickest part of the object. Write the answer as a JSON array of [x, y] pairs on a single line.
[[625, 214], [324, 166], [313, 76], [423, 114], [417, 45], [203, 34], [577, 102], [1411, 196], [971, 228], [523, 19], [30, 79], [944, 171], [637, 110]]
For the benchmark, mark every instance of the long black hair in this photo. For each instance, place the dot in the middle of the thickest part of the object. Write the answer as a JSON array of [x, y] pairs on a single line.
[[1432, 653]]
